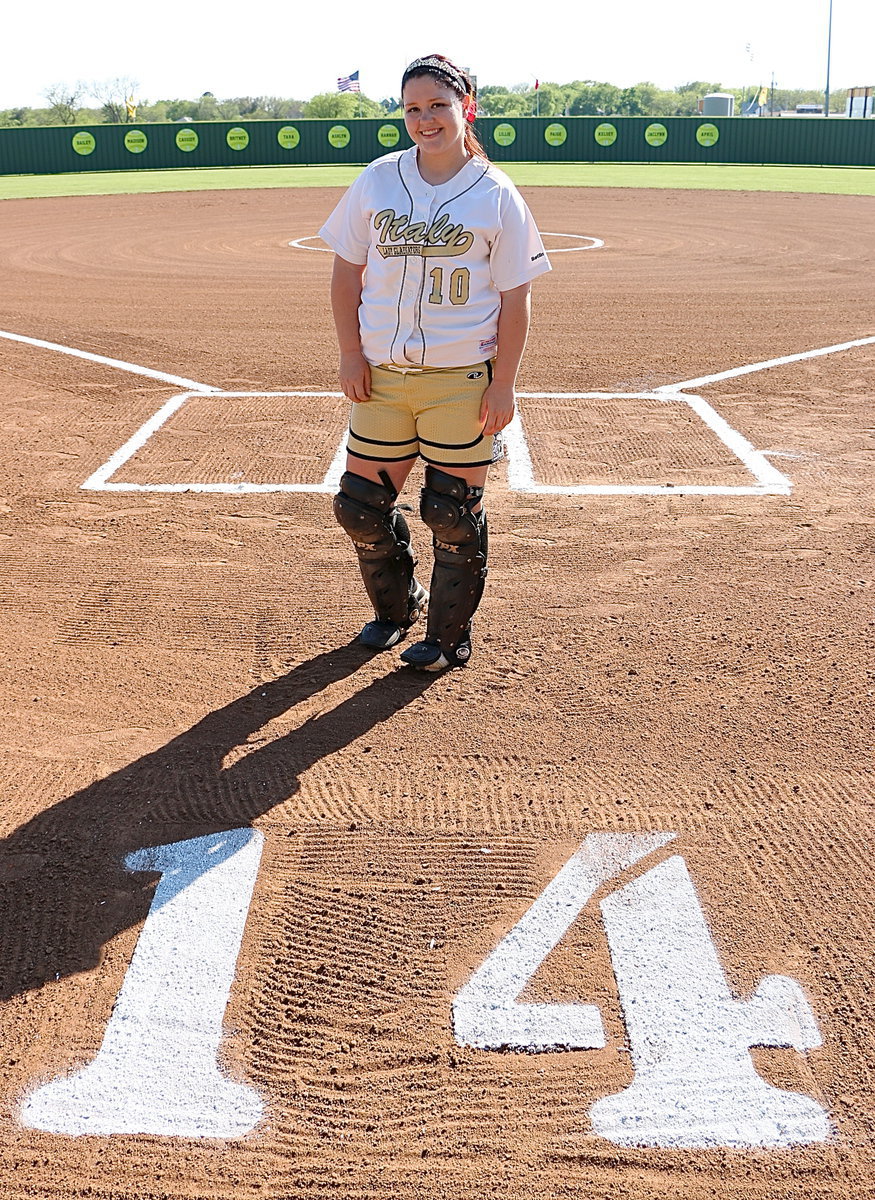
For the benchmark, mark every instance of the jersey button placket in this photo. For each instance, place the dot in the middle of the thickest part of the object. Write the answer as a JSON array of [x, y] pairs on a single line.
[[422, 211]]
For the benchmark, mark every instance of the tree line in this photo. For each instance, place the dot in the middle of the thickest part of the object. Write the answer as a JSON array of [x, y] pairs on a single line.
[[107, 103], [589, 98]]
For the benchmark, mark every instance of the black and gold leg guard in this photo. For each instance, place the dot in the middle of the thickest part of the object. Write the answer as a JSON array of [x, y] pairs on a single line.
[[461, 546], [379, 532]]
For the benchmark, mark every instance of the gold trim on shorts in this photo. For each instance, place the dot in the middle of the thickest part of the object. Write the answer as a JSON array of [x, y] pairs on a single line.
[[433, 413]]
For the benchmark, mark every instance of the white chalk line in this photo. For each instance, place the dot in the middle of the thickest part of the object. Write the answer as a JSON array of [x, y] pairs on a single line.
[[119, 364], [520, 473], [595, 243], [520, 470], [298, 244], [703, 380], [99, 481]]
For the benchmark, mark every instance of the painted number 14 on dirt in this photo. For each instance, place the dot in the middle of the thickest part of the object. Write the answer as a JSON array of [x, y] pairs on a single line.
[[695, 1084]]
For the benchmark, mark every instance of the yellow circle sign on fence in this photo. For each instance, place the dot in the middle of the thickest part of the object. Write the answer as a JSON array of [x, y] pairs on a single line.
[[707, 135], [83, 142], [288, 137], [555, 135], [136, 141], [655, 134], [187, 140], [504, 134], [237, 138], [605, 134], [388, 135], [338, 136]]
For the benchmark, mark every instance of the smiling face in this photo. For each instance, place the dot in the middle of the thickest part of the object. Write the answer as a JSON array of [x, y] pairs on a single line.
[[435, 117]]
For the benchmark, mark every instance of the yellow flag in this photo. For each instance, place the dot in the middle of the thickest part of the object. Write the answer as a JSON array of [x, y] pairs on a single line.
[[132, 108]]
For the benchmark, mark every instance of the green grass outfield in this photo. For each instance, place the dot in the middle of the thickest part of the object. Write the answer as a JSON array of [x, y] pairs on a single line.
[[848, 181]]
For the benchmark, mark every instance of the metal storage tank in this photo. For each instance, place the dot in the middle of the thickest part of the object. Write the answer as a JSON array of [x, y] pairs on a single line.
[[718, 104]]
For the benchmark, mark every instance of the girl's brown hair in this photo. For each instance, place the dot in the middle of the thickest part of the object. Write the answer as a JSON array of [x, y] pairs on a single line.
[[439, 67]]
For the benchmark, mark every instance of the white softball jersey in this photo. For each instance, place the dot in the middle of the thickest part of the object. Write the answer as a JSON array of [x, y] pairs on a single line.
[[435, 258]]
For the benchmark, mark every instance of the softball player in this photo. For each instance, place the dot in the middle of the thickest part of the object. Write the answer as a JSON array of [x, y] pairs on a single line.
[[435, 252]]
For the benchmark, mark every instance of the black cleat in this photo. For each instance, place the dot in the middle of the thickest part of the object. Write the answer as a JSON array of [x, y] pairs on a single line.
[[383, 635], [428, 655]]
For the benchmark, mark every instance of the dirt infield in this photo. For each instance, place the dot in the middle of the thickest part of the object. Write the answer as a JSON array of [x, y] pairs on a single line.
[[180, 664]]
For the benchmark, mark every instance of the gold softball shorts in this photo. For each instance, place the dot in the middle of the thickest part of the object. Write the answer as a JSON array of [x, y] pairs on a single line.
[[433, 413]]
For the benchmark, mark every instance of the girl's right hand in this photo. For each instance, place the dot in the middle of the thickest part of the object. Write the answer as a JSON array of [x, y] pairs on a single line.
[[355, 376]]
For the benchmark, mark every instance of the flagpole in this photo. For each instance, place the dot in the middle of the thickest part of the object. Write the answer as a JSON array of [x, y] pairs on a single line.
[[828, 56]]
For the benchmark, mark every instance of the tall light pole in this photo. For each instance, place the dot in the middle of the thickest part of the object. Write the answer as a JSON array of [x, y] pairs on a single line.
[[828, 56]]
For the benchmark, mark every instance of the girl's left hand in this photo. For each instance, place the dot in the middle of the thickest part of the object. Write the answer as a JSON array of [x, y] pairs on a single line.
[[497, 406]]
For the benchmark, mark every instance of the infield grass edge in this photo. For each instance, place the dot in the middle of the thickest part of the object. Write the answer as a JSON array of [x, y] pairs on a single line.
[[849, 181]]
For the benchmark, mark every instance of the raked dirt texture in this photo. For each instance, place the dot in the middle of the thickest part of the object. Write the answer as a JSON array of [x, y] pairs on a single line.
[[588, 918]]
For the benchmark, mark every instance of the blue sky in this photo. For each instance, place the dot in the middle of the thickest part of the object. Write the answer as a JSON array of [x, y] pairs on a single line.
[[268, 48]]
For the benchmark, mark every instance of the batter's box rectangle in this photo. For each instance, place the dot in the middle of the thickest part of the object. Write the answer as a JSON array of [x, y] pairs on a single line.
[[233, 442], [635, 443], [584, 443]]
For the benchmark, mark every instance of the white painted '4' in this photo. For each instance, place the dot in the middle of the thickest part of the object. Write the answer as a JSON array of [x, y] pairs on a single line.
[[695, 1083]]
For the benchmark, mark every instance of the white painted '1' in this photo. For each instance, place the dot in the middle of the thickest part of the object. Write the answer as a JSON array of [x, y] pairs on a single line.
[[156, 1071]]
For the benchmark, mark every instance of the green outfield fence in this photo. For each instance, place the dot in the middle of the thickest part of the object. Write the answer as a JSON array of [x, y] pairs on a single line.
[[802, 141]]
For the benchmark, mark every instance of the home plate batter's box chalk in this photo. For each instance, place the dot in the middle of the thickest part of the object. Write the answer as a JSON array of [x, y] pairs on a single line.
[[572, 443], [629, 441]]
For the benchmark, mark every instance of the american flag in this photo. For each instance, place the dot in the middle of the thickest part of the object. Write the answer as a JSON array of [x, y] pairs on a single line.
[[349, 83]]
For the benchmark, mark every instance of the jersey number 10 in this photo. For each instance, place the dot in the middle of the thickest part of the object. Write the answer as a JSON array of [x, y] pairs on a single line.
[[460, 285]]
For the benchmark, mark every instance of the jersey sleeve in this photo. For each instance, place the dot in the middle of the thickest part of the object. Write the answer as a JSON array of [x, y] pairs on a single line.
[[346, 231], [518, 254]]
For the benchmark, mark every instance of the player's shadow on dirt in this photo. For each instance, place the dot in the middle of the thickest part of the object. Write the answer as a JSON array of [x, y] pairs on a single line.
[[64, 892]]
